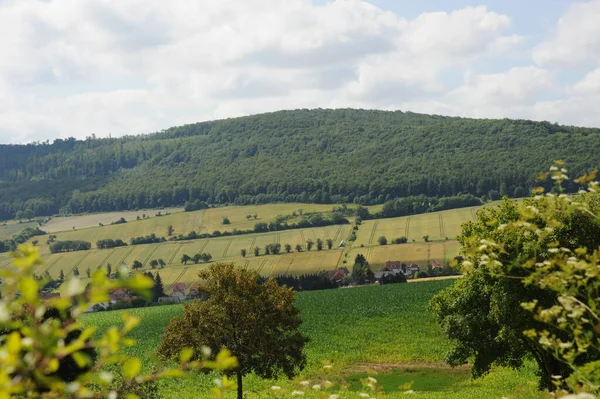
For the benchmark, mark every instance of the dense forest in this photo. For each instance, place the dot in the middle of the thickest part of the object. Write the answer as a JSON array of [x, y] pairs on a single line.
[[320, 156]]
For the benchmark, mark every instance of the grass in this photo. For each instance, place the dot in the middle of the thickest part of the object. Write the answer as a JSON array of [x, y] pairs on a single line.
[[12, 227], [383, 331]]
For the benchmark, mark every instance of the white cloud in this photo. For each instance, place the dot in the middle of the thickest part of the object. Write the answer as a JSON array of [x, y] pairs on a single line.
[[135, 66], [576, 41]]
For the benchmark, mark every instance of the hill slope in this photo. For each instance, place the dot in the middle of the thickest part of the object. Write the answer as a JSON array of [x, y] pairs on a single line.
[[319, 156]]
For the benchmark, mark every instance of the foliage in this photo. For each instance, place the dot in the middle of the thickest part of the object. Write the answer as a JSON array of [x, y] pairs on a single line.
[[385, 150], [149, 239], [20, 238], [70, 245], [542, 255], [110, 243], [361, 270], [382, 240], [48, 353], [400, 240], [257, 322], [307, 282]]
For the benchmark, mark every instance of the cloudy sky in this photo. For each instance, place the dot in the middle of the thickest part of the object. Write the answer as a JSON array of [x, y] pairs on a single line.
[[77, 67]]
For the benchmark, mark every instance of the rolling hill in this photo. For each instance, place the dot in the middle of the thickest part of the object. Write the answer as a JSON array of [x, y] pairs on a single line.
[[307, 156]]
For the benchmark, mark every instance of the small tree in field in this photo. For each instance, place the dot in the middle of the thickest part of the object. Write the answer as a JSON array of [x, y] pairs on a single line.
[[170, 230], [426, 238], [288, 248], [243, 252], [137, 265], [329, 242], [161, 263], [257, 322], [319, 244], [309, 244], [153, 263], [185, 259], [298, 248], [256, 251], [382, 240]]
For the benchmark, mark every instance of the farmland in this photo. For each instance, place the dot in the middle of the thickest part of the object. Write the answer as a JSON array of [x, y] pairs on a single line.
[[203, 221], [441, 227], [8, 229], [383, 331]]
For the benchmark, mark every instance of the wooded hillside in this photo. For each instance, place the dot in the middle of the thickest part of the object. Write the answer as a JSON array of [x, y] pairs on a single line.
[[320, 156]]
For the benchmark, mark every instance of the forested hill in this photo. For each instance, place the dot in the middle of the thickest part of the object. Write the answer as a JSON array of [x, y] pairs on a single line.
[[302, 156]]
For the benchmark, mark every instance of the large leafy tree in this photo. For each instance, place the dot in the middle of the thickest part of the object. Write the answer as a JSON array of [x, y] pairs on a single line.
[[482, 313], [257, 321]]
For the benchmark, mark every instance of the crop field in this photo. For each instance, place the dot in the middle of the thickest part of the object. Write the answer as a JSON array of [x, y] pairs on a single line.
[[437, 225], [382, 331], [65, 223], [418, 253], [203, 221], [222, 249]]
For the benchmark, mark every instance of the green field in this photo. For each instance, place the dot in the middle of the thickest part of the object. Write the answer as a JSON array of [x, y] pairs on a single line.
[[384, 331]]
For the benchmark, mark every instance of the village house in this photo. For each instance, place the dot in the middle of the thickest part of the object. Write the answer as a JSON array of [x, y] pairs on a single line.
[[338, 274], [179, 292], [394, 265], [412, 269]]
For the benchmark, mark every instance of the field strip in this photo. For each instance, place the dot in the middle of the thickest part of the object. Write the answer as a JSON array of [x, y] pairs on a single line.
[[53, 263], [185, 269], [407, 227], [126, 255], [199, 222], [337, 234], [261, 265], [150, 254], [368, 253], [78, 263], [227, 248], [204, 246], [246, 264], [278, 238], [174, 254], [302, 238], [474, 214], [340, 259], [108, 256], [373, 232], [252, 244], [289, 265], [441, 226]]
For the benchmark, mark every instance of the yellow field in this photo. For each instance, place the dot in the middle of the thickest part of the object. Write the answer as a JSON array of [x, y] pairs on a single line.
[[419, 253], [437, 225], [12, 227], [65, 223], [204, 221]]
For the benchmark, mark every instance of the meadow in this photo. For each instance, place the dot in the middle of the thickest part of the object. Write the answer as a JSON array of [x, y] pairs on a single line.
[[382, 331]]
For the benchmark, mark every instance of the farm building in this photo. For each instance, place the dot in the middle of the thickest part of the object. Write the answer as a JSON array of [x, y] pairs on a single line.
[[180, 295], [338, 274], [394, 265], [412, 269], [168, 299]]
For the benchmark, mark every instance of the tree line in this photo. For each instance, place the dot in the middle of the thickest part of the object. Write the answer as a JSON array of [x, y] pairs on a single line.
[[316, 156]]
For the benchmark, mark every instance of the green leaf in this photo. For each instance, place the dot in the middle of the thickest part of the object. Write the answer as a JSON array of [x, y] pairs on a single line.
[[131, 368], [186, 354]]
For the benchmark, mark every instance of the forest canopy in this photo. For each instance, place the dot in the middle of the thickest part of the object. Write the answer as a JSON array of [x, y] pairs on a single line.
[[316, 156]]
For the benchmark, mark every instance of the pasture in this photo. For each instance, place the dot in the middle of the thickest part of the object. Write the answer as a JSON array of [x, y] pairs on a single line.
[[381, 331], [12, 227]]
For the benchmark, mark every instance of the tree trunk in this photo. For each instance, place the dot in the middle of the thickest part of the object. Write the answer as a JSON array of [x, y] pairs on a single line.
[[239, 385]]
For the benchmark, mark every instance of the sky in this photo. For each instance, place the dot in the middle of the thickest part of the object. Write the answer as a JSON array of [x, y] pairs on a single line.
[[73, 68]]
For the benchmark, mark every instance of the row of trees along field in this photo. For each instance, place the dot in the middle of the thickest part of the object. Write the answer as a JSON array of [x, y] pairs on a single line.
[[318, 156]]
